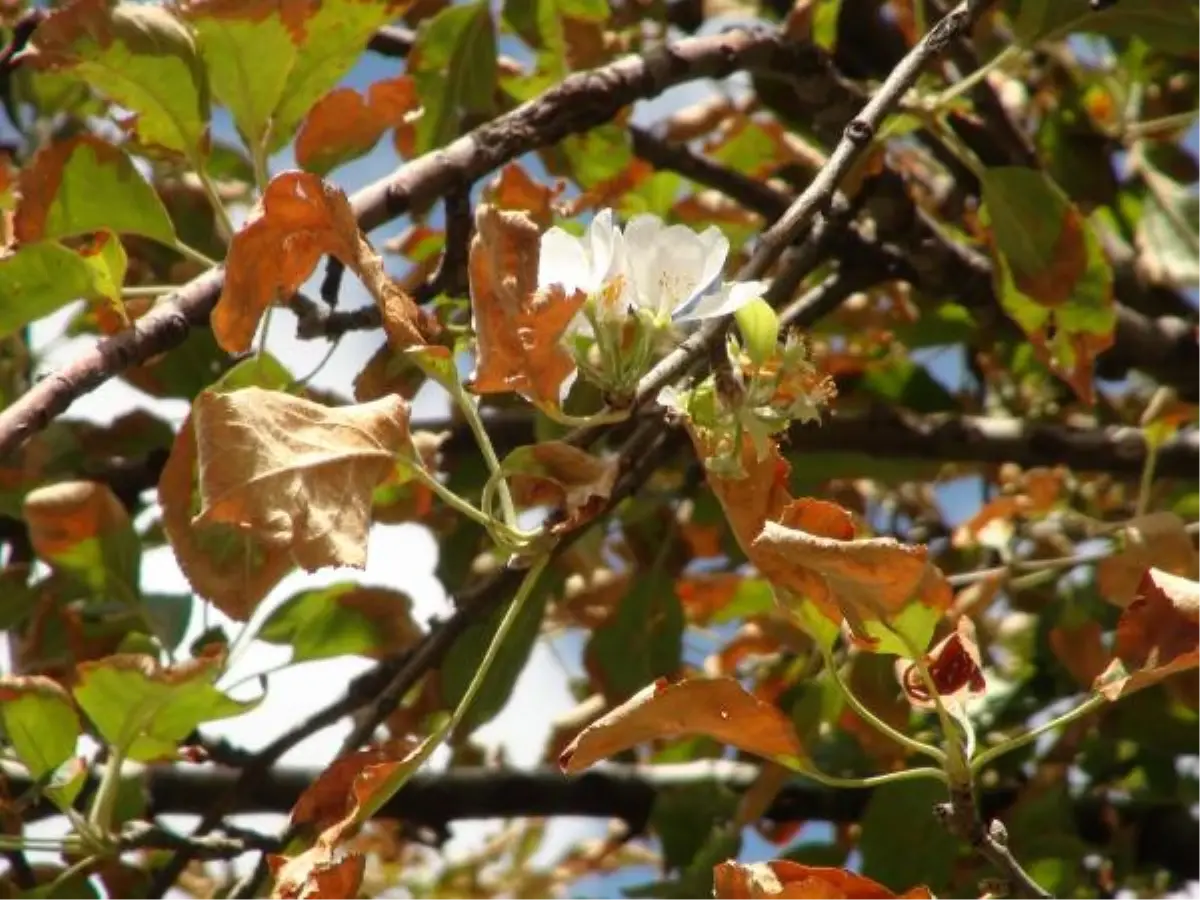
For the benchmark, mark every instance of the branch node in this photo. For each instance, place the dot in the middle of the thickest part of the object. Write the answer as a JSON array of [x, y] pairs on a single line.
[[859, 132]]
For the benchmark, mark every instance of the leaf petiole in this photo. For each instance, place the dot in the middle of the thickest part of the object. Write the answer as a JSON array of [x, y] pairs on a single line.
[[1088, 706], [869, 781], [471, 413], [511, 535]]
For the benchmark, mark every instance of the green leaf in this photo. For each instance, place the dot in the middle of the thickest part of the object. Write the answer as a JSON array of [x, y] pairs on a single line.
[[142, 57], [753, 597], [642, 641], [684, 818], [1167, 233], [39, 278], [39, 721], [916, 622], [901, 382], [453, 65], [598, 155], [170, 615], [464, 657], [759, 326], [321, 623], [83, 185], [1051, 273], [1167, 25], [902, 843], [269, 69], [147, 710]]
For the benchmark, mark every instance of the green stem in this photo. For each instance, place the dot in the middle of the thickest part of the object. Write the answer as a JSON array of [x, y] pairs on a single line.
[[603, 417], [148, 290], [1147, 482], [872, 781], [101, 814], [1150, 127], [193, 254], [324, 361], [452, 499], [874, 721], [403, 773], [1090, 705], [970, 81], [37, 845], [214, 200], [63, 879], [471, 412]]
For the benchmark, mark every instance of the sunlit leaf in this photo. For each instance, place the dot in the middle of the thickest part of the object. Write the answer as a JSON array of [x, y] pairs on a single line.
[[954, 667], [300, 219], [319, 873], [84, 184], [39, 721], [142, 57], [296, 475], [718, 708], [1154, 541], [344, 124], [784, 878], [147, 709], [1168, 25], [641, 642], [556, 474], [36, 279], [345, 618]]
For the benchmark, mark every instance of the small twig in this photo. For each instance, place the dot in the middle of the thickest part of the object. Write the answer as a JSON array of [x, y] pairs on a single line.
[[152, 836], [331, 284], [961, 818], [451, 275]]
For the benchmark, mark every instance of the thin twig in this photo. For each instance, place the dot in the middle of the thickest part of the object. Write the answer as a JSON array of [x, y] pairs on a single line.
[[961, 817]]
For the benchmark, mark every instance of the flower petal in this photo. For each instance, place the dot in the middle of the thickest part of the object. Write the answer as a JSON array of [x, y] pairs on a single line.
[[725, 300], [562, 260]]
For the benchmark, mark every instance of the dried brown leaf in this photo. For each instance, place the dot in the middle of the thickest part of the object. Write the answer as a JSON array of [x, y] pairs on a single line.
[[1155, 541], [784, 878]]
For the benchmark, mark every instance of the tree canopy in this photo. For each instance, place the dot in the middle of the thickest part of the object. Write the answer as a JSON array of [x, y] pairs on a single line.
[[836, 412]]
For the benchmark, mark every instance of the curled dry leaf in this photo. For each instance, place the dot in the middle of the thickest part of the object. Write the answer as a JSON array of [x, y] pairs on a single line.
[[317, 873], [514, 189], [300, 219], [556, 474], [784, 878], [519, 329], [344, 124], [297, 475], [1158, 634], [719, 708], [954, 667], [231, 568], [1158, 540], [332, 799]]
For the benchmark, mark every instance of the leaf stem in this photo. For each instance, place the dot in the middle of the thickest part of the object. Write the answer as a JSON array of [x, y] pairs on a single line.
[[970, 81], [603, 417], [184, 249], [214, 200], [873, 720], [368, 807], [1090, 705], [456, 502], [471, 412], [871, 781], [101, 813], [1149, 127]]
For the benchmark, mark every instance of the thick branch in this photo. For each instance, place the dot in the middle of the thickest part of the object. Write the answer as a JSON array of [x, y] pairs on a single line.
[[580, 102], [1167, 835]]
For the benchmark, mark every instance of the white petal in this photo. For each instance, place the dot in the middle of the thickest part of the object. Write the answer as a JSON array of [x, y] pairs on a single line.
[[716, 249], [602, 238], [562, 260], [725, 300]]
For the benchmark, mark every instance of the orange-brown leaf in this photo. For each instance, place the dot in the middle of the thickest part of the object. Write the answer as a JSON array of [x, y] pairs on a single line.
[[514, 189], [327, 802], [234, 570], [719, 708], [557, 474], [1080, 648], [1155, 541], [519, 329], [344, 124], [317, 873], [300, 219], [297, 475], [1158, 634], [784, 878], [60, 516]]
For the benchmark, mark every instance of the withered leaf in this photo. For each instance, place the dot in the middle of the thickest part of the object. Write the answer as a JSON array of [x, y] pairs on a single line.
[[954, 667], [554, 473], [1158, 635], [1158, 540], [719, 708], [344, 124], [297, 475], [300, 219], [784, 878], [518, 328], [317, 873]]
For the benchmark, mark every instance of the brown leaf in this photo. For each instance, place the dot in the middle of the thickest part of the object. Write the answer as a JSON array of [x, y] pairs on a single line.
[[387, 372], [390, 611], [954, 667], [232, 569], [705, 594], [518, 328], [513, 189], [297, 475], [784, 878], [317, 873], [61, 516], [300, 219], [560, 475], [1158, 634], [1056, 282], [41, 180], [1080, 648], [718, 708], [344, 124], [1155, 541], [329, 800]]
